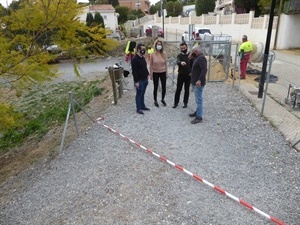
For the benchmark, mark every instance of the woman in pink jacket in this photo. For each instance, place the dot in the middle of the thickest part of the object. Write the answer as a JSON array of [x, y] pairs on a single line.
[[159, 71]]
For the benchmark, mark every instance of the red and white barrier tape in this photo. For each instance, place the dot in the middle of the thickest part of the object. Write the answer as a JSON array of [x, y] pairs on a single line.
[[198, 178]]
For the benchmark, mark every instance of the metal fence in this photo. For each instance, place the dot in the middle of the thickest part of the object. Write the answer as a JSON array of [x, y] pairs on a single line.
[[217, 54], [285, 77], [281, 98]]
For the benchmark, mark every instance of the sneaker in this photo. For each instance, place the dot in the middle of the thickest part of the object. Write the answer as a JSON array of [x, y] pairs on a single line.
[[196, 120], [145, 108], [193, 114], [156, 104], [184, 106], [163, 102], [174, 106], [140, 112]]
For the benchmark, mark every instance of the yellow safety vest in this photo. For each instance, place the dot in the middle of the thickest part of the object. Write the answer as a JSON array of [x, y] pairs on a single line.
[[246, 46], [127, 48], [150, 51]]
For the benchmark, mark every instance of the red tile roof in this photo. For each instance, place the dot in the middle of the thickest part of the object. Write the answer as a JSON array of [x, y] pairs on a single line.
[[101, 7]]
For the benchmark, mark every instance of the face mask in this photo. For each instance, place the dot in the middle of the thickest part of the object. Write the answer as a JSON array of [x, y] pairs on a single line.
[[143, 51], [158, 47], [193, 54], [184, 51]]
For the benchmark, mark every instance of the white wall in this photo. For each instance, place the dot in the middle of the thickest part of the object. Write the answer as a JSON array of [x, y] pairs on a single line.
[[238, 30], [289, 35], [82, 16], [110, 20]]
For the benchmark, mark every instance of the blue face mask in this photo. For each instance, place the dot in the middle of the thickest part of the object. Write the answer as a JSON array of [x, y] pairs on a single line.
[[158, 47]]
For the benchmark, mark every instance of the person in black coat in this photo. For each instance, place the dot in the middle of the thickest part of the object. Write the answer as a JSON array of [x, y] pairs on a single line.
[[140, 77], [184, 75]]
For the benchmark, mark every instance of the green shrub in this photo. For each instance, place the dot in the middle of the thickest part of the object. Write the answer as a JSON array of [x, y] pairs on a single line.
[[44, 107]]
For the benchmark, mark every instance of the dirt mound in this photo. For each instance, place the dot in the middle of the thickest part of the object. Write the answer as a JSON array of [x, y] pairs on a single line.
[[217, 71]]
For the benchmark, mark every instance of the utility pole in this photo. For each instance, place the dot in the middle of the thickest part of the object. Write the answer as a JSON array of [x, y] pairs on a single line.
[[277, 26], [266, 54], [138, 4], [162, 14]]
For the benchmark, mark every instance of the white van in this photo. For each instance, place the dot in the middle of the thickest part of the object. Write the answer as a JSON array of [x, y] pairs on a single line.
[[201, 31]]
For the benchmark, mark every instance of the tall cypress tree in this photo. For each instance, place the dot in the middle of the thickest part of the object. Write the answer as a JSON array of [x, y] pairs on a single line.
[[99, 19], [204, 6], [89, 19]]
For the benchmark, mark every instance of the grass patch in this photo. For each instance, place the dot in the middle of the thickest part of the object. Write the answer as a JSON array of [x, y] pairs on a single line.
[[46, 106]]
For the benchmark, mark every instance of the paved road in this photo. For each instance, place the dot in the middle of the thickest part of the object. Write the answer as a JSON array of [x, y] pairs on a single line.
[[88, 69]]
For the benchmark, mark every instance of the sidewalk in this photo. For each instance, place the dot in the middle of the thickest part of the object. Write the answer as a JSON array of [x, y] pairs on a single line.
[[283, 120]]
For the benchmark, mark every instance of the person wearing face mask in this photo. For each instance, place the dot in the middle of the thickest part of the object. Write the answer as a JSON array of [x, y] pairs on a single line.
[[140, 77], [184, 78], [158, 71], [198, 80]]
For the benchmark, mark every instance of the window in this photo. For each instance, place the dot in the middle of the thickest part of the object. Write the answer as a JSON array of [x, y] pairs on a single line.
[[105, 17]]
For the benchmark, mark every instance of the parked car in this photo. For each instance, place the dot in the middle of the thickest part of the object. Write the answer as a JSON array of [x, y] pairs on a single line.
[[201, 31], [53, 49], [148, 31]]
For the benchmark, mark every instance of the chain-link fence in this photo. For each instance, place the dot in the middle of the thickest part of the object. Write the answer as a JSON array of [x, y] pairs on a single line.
[[283, 85], [280, 103], [286, 76], [217, 54]]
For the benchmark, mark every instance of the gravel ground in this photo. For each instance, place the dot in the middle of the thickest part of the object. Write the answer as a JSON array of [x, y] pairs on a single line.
[[103, 179]]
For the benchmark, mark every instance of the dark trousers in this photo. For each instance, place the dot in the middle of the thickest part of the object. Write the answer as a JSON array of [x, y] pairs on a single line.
[[163, 80], [186, 80], [140, 94]]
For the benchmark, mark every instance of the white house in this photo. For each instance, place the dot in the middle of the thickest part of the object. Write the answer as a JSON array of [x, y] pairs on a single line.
[[108, 12], [189, 10], [226, 7]]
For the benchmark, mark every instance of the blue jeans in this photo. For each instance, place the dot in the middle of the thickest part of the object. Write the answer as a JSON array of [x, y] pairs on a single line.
[[199, 100], [140, 94]]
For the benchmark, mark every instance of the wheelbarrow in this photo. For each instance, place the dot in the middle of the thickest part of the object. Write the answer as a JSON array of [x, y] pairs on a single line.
[[293, 96]]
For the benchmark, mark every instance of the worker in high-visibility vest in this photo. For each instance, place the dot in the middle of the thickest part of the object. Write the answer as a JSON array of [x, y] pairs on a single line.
[[197, 39], [244, 52], [149, 52], [129, 50]]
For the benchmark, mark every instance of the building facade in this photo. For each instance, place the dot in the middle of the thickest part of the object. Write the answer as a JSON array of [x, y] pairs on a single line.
[[143, 5], [108, 12]]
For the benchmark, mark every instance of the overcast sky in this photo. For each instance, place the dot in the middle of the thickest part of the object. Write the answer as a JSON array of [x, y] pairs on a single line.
[[7, 2]]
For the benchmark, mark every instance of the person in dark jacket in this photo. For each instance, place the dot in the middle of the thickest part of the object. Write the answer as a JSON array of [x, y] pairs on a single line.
[[140, 77], [184, 75], [198, 81]]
